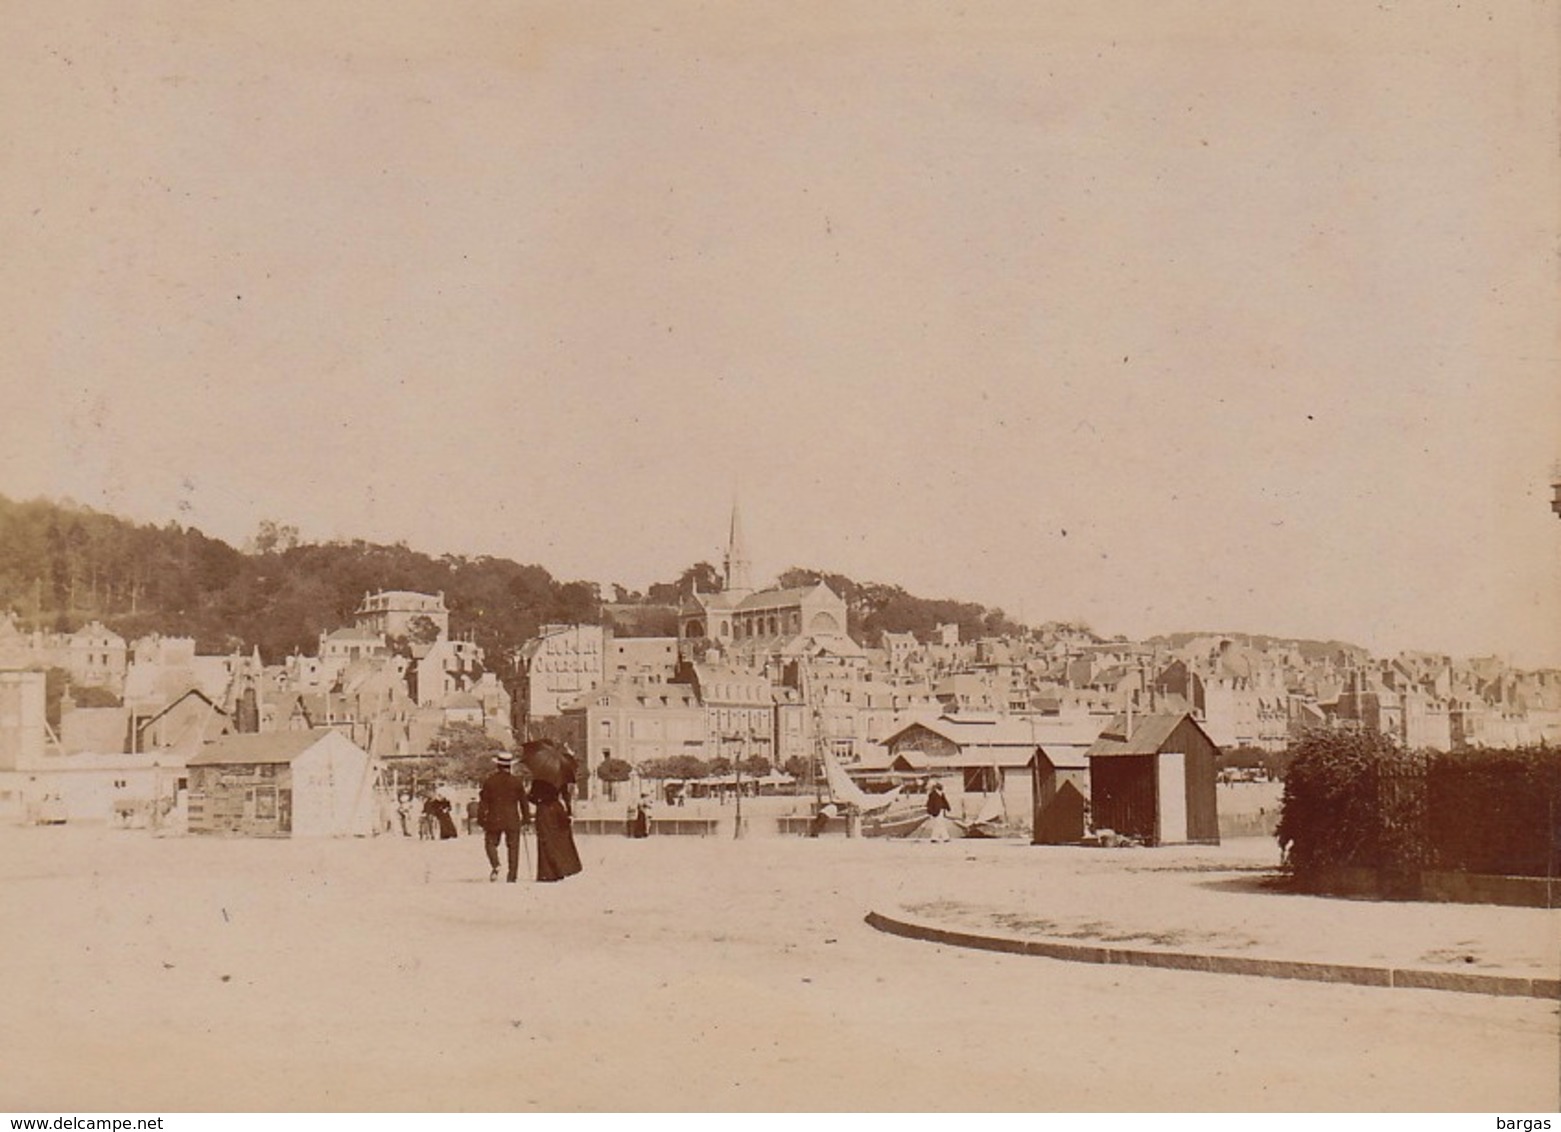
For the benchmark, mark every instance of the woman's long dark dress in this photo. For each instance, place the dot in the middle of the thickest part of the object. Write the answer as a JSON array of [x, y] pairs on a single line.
[[441, 808], [557, 857]]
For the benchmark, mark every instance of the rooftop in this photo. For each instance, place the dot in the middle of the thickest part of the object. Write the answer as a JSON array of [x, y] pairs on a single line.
[[265, 747]]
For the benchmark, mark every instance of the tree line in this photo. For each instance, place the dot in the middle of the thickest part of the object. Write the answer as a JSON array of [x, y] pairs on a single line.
[[63, 565]]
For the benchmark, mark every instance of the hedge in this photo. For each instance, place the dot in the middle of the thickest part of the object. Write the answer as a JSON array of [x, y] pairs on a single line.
[[1355, 799]]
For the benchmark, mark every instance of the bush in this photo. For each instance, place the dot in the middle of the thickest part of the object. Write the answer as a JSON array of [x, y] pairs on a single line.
[[1355, 799], [801, 768], [614, 770], [463, 754], [1342, 806], [678, 766], [1496, 811]]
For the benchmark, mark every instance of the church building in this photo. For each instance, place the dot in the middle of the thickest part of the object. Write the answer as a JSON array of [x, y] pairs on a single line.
[[755, 625]]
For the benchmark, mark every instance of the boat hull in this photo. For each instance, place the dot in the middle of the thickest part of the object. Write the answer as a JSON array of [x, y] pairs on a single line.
[[894, 825]]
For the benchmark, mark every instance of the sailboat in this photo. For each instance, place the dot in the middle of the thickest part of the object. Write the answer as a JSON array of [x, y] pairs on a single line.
[[987, 818], [844, 792], [875, 810]]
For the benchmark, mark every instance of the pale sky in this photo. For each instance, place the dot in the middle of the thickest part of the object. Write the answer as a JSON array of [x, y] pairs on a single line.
[[1223, 316]]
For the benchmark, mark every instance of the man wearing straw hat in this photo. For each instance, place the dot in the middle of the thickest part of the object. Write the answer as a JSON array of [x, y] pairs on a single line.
[[501, 811]]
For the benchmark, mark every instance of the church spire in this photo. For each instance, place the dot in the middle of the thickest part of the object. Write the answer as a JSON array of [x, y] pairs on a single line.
[[737, 567]]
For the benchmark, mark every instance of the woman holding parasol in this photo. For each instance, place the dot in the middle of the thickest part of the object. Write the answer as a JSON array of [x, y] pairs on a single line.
[[553, 769]]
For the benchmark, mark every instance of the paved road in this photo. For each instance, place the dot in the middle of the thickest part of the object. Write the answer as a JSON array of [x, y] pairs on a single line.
[[184, 974]]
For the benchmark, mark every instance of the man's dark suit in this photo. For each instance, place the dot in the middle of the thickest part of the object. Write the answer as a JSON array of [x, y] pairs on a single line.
[[501, 810]]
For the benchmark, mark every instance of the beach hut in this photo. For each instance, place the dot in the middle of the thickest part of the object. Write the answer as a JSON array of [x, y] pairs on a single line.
[[1152, 777], [1061, 794], [314, 783]]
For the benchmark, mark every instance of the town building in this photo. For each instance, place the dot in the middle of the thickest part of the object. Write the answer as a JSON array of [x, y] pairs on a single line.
[[644, 660], [636, 723], [562, 663], [739, 708], [402, 613], [974, 755], [95, 657]]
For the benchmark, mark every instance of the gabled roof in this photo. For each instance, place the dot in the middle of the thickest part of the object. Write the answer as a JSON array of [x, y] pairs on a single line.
[[1066, 730], [175, 701], [781, 599], [1111, 676], [986, 732], [1067, 756], [919, 762], [1150, 733], [95, 631], [709, 603], [623, 693], [956, 682], [732, 686], [829, 645], [264, 747]]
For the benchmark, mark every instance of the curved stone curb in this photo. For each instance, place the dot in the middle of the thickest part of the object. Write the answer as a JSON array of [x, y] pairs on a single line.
[[1506, 985]]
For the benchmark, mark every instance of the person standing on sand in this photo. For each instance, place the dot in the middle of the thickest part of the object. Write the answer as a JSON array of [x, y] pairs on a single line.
[[502, 810], [439, 805], [937, 809], [639, 818], [557, 856]]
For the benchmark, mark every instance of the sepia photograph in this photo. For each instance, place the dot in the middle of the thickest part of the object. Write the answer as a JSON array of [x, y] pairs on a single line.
[[857, 557]]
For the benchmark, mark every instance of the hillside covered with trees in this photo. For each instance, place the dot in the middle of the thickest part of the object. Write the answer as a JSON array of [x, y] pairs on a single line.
[[63, 565]]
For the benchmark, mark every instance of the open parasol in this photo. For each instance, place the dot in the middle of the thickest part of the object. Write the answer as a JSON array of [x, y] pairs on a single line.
[[548, 762]]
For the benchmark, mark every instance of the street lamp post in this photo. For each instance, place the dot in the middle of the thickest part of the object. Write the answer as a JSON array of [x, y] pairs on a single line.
[[737, 823]]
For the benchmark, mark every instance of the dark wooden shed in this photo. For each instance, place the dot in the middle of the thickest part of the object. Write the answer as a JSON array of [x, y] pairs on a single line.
[[1154, 779], [1061, 795]]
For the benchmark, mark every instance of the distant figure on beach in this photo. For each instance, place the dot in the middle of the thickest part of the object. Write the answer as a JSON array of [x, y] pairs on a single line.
[[826, 813], [553, 770], [404, 813], [474, 814], [428, 820], [439, 806], [639, 818], [937, 810], [502, 810]]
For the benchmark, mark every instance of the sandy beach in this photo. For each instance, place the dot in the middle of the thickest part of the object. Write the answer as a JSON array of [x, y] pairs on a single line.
[[686, 973]]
